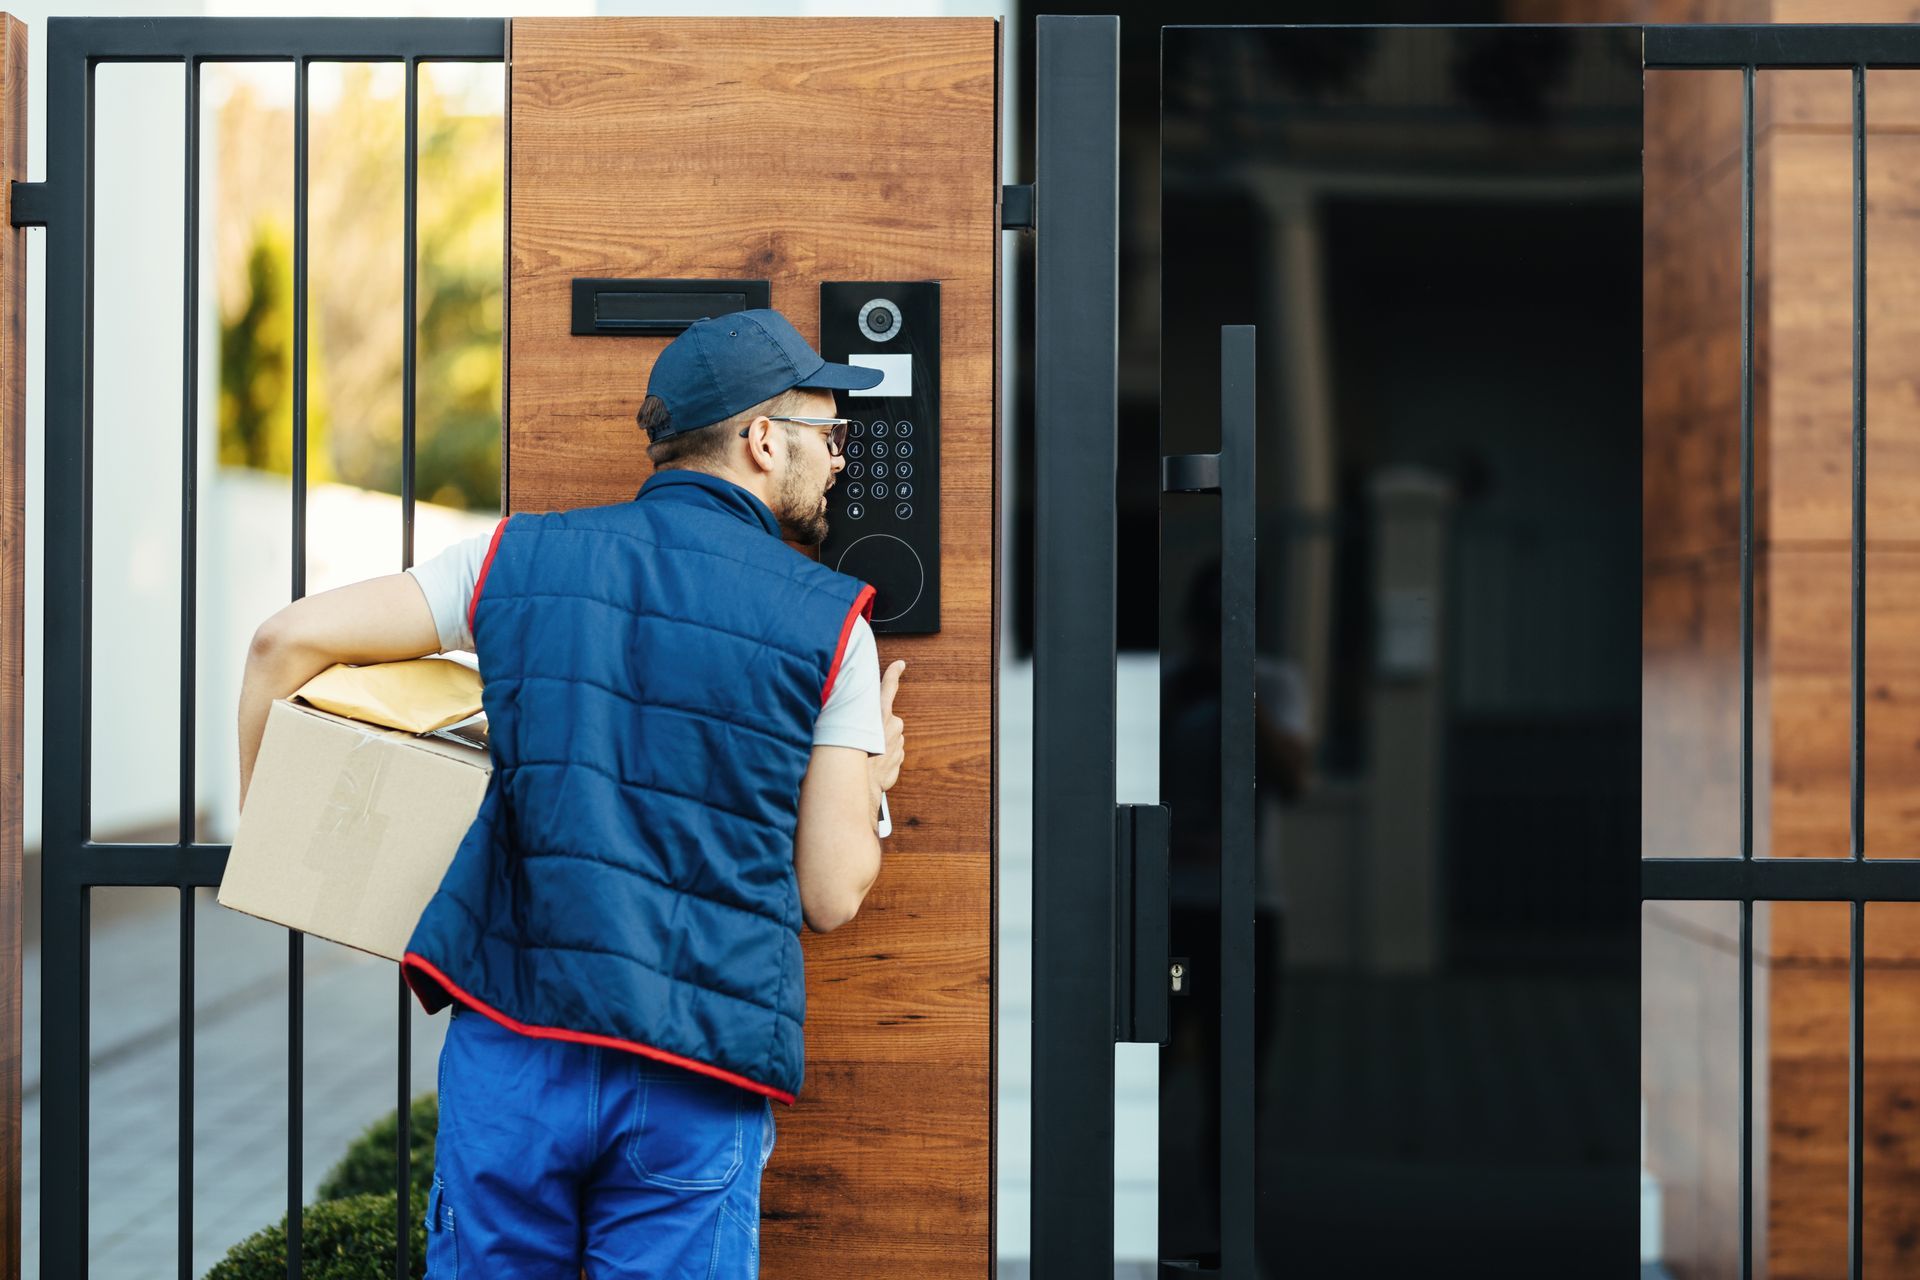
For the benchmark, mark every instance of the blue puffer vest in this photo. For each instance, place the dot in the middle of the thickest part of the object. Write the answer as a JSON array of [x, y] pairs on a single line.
[[652, 674]]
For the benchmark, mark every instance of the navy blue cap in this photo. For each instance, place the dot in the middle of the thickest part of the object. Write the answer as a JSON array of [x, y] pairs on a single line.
[[724, 364]]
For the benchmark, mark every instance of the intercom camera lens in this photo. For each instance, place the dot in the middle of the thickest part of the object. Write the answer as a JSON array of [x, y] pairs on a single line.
[[879, 320]]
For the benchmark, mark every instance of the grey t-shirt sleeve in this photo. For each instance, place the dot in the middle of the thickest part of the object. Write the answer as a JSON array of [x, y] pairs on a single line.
[[851, 717], [447, 581]]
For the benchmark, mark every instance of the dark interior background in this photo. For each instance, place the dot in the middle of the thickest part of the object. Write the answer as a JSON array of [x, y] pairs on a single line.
[[1449, 775]]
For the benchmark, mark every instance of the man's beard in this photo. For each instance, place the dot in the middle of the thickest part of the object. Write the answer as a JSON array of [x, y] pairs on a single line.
[[802, 511]]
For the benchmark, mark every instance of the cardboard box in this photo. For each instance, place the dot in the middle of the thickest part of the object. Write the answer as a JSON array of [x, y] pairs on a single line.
[[349, 826]]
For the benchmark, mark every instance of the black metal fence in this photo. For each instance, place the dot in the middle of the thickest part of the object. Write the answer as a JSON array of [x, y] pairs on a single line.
[[1075, 322], [1076, 162], [74, 863], [1746, 879]]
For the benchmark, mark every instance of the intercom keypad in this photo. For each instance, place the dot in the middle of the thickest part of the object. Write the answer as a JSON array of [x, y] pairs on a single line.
[[883, 514]]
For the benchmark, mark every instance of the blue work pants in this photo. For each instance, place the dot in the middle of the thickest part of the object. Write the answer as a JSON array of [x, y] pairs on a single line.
[[553, 1156]]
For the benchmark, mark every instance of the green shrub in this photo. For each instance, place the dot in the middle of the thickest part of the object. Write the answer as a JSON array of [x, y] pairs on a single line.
[[348, 1233], [350, 1239], [367, 1167]]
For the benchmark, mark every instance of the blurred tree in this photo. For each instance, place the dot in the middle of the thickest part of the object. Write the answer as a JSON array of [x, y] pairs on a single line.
[[256, 368], [356, 172], [462, 238]]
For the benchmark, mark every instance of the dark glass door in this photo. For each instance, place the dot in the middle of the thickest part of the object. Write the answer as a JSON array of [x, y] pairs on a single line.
[[1437, 236]]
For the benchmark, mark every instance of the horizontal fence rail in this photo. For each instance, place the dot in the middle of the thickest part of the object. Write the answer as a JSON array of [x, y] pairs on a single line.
[[73, 862]]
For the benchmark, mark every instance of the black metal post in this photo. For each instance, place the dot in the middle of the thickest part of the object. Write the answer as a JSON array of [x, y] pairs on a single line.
[[66, 801], [1237, 566], [1076, 337], [1857, 778], [296, 952], [1746, 670], [403, 1032], [189, 591]]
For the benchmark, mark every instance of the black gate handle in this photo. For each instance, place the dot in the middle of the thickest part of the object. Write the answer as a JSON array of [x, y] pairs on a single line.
[[1230, 473]]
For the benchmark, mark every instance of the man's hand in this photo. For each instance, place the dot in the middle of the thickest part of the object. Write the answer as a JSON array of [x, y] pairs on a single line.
[[884, 770]]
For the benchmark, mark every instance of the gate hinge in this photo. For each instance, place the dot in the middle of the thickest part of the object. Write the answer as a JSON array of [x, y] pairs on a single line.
[[1190, 473], [29, 204], [1142, 969], [1016, 206]]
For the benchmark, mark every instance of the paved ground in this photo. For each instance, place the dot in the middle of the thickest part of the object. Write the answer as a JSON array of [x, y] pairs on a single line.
[[350, 1060], [350, 1072]]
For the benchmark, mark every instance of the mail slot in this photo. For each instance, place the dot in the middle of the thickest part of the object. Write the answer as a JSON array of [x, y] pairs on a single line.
[[647, 308]]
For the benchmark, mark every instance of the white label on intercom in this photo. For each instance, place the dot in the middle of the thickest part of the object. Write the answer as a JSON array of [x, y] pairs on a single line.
[[898, 371]]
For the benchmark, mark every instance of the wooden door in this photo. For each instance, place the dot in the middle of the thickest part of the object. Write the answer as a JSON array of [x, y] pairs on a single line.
[[796, 151]]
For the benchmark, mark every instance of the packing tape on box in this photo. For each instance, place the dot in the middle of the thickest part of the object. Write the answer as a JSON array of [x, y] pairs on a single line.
[[350, 834]]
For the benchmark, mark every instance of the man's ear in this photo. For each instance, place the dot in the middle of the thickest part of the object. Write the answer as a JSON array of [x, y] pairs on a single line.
[[760, 443]]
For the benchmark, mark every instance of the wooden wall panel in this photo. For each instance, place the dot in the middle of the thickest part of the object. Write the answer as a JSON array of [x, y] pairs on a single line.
[[800, 150], [1803, 456], [13, 596]]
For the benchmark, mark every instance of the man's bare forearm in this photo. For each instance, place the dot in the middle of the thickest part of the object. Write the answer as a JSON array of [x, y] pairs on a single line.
[[273, 671], [874, 789]]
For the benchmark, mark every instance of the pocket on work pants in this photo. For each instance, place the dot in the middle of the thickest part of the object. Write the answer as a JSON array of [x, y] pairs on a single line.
[[442, 1262], [736, 1246], [688, 1130]]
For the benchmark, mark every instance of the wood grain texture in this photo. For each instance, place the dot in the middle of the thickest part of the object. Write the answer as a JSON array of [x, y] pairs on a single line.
[[800, 151], [1691, 690], [1803, 494], [13, 595]]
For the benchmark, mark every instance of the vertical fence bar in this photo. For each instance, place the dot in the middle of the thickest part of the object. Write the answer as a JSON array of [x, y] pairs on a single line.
[[1746, 468], [1238, 567], [1076, 363], [1856, 1061], [1746, 1089], [1746, 668], [410, 259], [1857, 773], [296, 960], [408, 367], [1856, 967], [65, 771], [189, 475]]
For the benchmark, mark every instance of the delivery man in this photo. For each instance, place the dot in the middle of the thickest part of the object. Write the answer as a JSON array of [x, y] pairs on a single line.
[[691, 739]]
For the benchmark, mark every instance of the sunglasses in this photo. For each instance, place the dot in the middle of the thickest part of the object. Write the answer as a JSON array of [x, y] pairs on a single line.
[[836, 429]]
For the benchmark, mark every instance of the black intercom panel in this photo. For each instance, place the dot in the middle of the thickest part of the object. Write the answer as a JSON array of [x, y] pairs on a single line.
[[884, 513]]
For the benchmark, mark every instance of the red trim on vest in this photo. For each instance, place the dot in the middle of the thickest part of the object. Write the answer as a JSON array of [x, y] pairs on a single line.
[[413, 960], [862, 608], [481, 581]]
